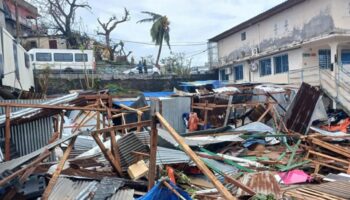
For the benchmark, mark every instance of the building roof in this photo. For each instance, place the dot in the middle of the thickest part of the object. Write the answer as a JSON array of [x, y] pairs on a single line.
[[271, 12]]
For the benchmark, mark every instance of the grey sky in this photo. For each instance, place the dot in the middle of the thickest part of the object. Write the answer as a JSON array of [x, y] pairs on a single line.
[[191, 21]]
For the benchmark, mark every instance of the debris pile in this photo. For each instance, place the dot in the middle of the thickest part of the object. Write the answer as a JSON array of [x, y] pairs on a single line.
[[203, 142]]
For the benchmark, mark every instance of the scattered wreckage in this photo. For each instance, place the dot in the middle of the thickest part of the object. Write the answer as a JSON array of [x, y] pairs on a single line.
[[205, 142]]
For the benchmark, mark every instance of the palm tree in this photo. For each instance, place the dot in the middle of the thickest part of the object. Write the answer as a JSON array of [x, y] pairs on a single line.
[[159, 30]]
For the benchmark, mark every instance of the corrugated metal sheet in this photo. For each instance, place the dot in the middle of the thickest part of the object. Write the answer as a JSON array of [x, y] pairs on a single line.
[[261, 183], [9, 165], [171, 156], [199, 141], [28, 137], [172, 110], [299, 113], [128, 144], [125, 194], [68, 189], [107, 187], [222, 167]]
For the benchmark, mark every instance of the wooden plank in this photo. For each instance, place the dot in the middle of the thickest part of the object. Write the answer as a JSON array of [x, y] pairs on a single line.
[[228, 110], [221, 188], [153, 154], [121, 127], [334, 148], [108, 155], [240, 185], [58, 170], [8, 133]]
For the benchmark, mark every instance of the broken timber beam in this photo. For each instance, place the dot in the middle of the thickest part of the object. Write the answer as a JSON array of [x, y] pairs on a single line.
[[58, 170], [108, 155], [121, 127], [153, 154], [8, 133], [221, 188]]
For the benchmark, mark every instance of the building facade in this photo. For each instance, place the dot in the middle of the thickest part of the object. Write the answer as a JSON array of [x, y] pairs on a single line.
[[44, 42], [290, 37]]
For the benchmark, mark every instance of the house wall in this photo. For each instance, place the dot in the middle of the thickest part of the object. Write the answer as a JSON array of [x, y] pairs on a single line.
[[26, 77], [289, 29], [43, 42]]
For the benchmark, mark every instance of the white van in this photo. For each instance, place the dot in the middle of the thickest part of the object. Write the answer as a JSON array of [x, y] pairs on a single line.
[[68, 60]]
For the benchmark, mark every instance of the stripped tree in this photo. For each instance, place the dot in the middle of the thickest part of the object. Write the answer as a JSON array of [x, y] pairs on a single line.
[[159, 30], [108, 27]]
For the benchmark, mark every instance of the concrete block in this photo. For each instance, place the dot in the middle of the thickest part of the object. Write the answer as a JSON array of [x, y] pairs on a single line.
[[137, 170]]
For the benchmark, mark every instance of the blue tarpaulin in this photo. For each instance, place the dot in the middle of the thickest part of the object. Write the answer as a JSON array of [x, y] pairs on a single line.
[[160, 192]]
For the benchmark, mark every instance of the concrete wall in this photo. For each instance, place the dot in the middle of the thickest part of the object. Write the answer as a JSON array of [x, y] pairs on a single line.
[[290, 29], [43, 42]]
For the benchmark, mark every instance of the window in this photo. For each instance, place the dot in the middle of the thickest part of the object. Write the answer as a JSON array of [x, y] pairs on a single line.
[[33, 44], [223, 75], [243, 36], [238, 72], [81, 57], [265, 67], [345, 56], [26, 60], [63, 57], [324, 58], [281, 64], [43, 57], [32, 57], [53, 44]]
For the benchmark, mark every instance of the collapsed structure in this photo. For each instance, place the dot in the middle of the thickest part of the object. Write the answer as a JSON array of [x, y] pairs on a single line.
[[203, 141]]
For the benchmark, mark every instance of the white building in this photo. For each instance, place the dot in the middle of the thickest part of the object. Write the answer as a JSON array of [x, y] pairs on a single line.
[[15, 68], [294, 35]]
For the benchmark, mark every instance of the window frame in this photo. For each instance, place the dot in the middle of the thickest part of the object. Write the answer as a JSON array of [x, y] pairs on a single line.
[[223, 75], [326, 63], [261, 62], [83, 55], [284, 69], [236, 69], [243, 36], [343, 52], [36, 57], [64, 58]]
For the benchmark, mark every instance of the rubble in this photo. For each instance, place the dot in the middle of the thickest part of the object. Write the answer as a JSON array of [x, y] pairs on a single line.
[[258, 141]]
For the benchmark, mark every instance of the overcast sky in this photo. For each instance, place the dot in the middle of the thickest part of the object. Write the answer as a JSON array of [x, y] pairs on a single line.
[[191, 21]]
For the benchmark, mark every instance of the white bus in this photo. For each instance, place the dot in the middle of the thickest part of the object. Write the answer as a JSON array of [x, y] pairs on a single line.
[[67, 60]]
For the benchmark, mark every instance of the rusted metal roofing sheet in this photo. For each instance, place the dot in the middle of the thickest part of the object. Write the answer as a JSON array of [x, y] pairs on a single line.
[[261, 183], [299, 113]]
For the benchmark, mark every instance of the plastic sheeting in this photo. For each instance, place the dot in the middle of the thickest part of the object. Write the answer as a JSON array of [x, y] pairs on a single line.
[[160, 192]]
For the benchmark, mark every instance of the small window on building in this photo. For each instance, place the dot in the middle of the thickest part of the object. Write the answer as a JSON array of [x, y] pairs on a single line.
[[265, 67], [243, 36], [238, 72], [26, 60], [324, 58], [15, 56], [223, 75], [32, 57], [43, 57], [53, 44], [81, 57], [281, 64], [33, 44], [63, 57], [345, 56]]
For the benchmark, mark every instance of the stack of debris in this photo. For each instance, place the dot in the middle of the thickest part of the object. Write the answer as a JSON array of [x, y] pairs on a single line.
[[250, 142]]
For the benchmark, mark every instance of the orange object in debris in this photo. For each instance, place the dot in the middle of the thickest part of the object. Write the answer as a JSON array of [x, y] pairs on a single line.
[[193, 122], [343, 127], [171, 174]]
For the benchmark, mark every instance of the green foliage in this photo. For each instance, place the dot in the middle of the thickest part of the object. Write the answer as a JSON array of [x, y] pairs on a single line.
[[116, 89], [177, 64]]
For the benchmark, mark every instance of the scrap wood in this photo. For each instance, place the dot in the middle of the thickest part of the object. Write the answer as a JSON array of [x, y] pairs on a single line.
[[226, 194], [35, 162], [345, 165], [108, 155], [230, 162], [334, 148], [58, 170]]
